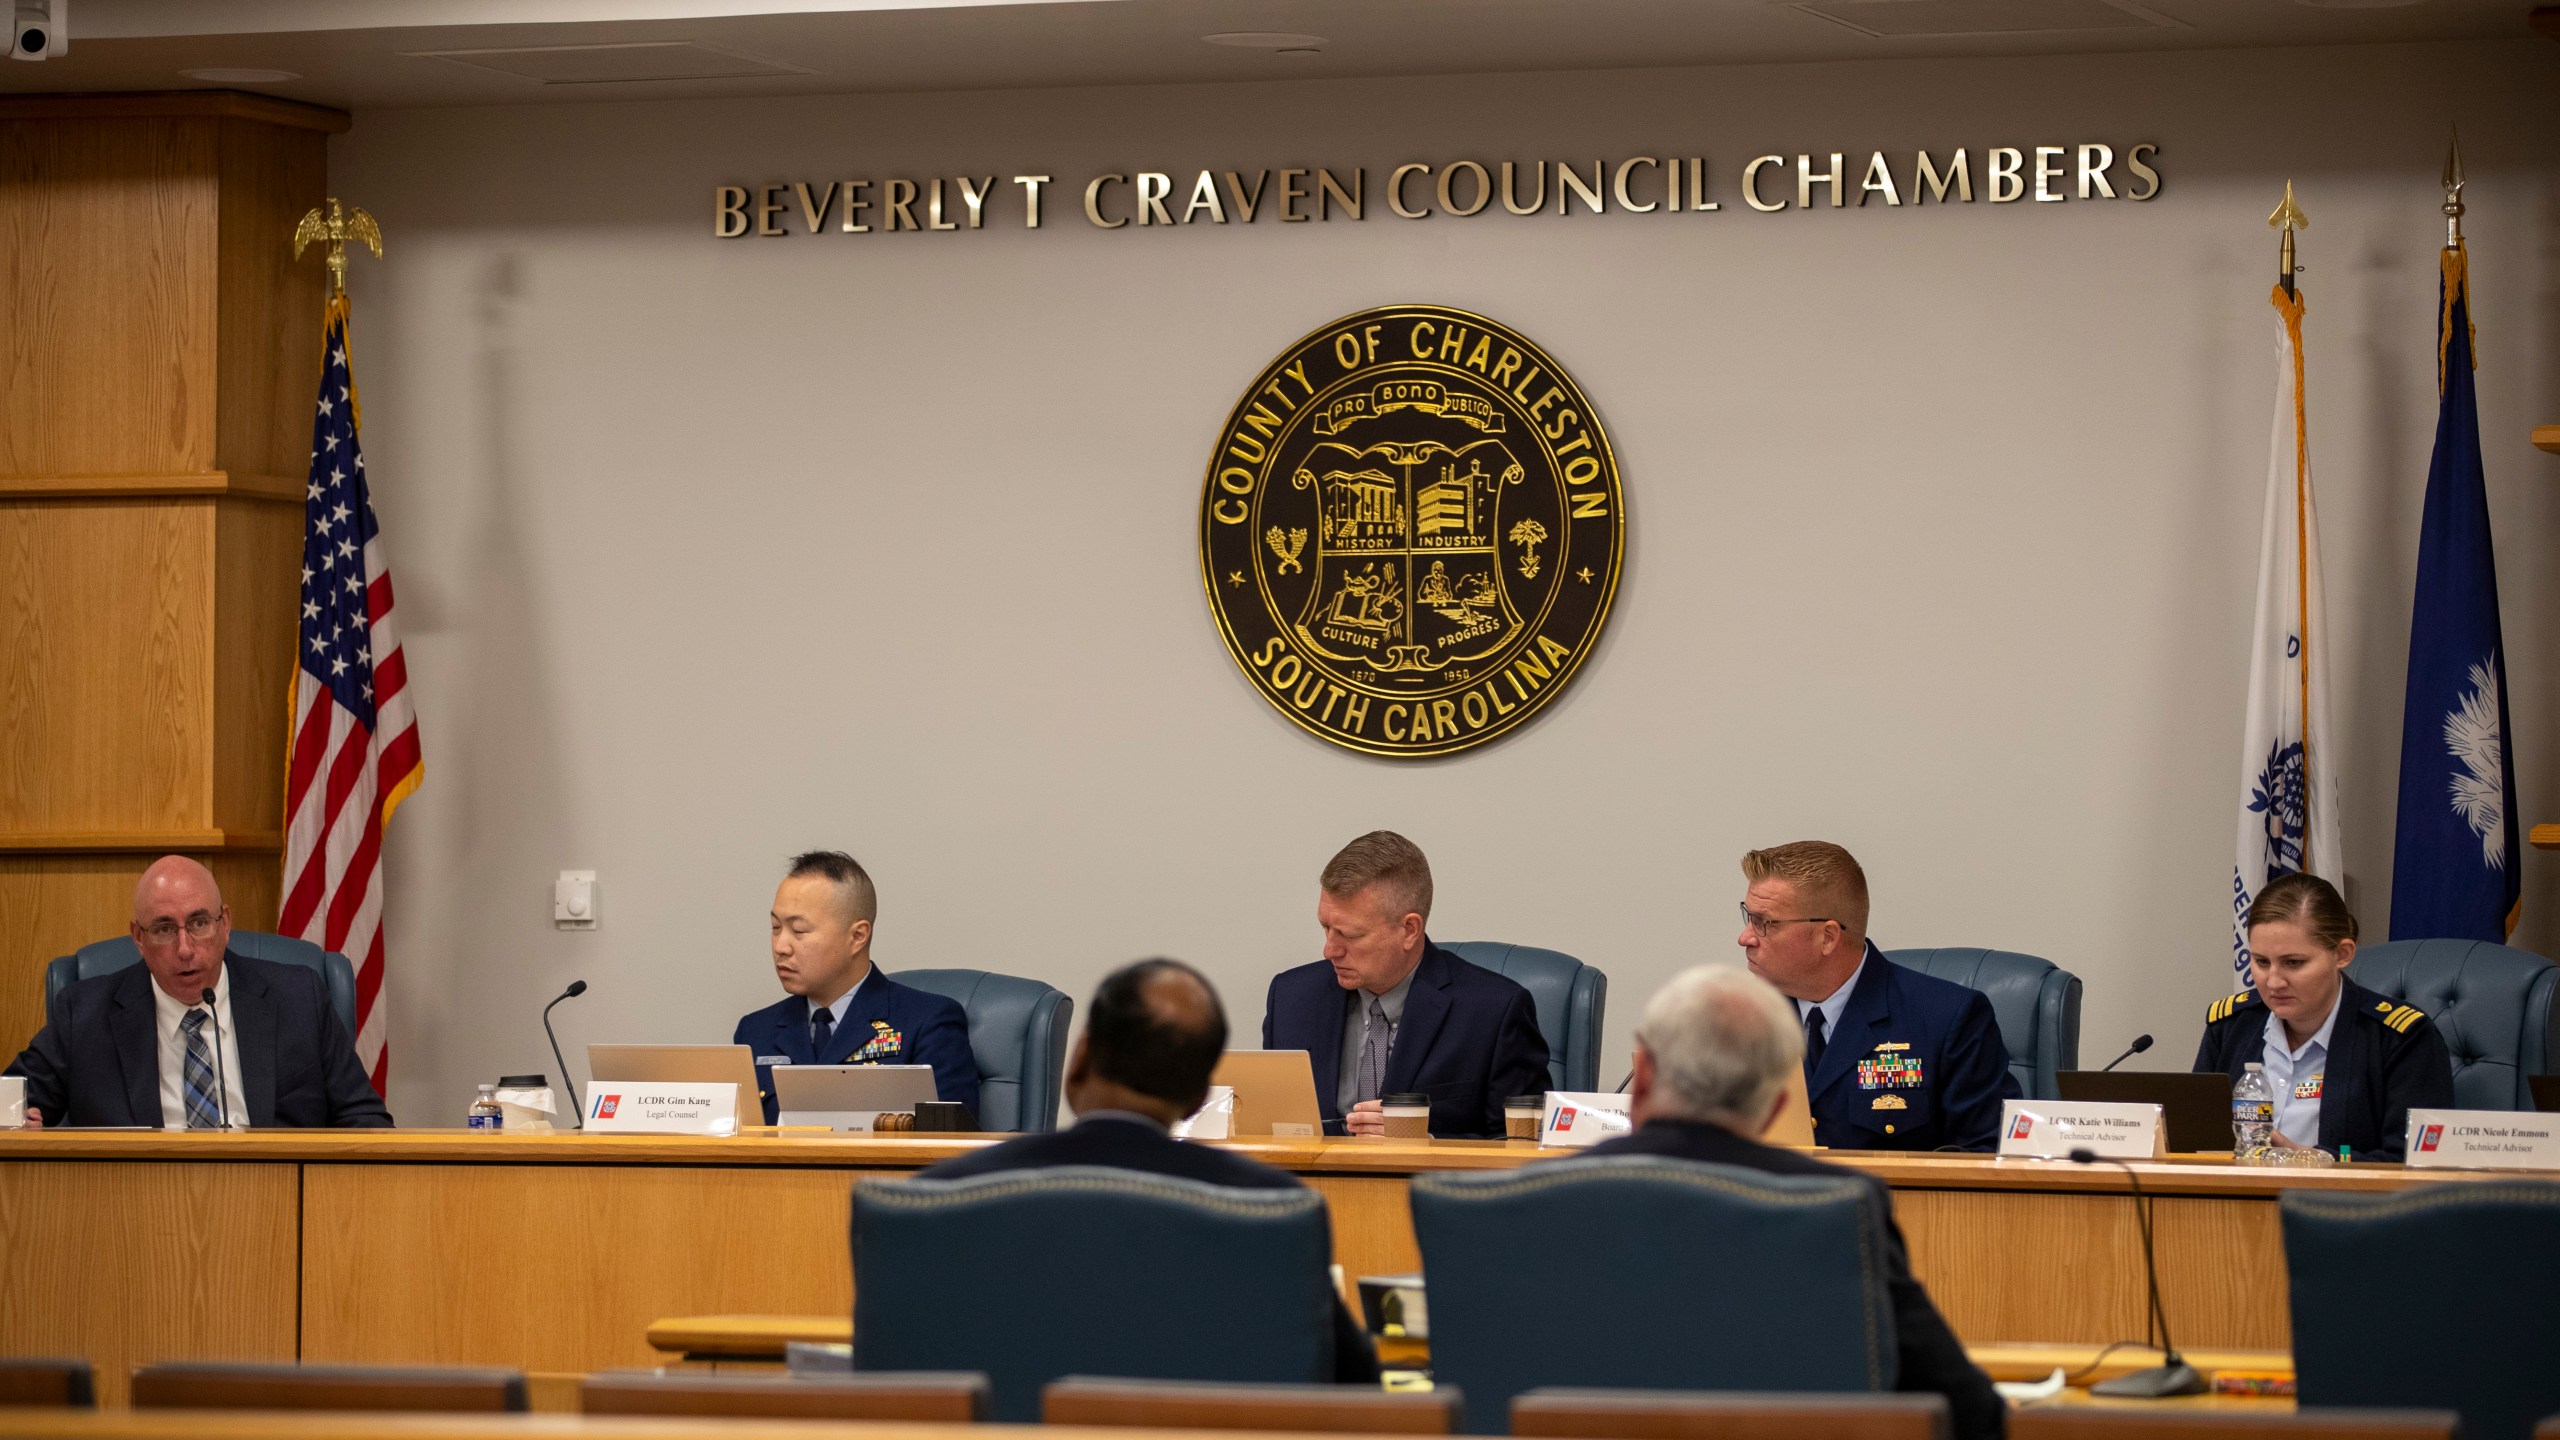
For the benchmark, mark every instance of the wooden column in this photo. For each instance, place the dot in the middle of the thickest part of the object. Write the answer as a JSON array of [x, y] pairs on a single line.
[[159, 351]]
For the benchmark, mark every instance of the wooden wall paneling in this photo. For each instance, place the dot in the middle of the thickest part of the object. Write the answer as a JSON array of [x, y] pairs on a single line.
[[256, 589], [107, 280], [53, 904], [554, 1267], [269, 304], [106, 704], [125, 1264]]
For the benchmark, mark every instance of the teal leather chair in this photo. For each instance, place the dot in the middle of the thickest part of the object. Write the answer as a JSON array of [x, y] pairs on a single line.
[[2036, 1002], [1018, 1031], [1033, 1275], [2492, 1003], [106, 957], [1571, 998], [2436, 1298], [1643, 1272]]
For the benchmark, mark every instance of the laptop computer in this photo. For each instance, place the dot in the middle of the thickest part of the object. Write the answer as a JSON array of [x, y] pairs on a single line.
[[2546, 1092], [848, 1097], [692, 1064], [1275, 1093], [2195, 1108]]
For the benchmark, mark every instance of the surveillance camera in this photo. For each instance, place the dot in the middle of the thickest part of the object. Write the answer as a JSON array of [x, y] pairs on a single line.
[[39, 29]]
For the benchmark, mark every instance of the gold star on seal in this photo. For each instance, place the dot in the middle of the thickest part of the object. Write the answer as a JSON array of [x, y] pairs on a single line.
[[1235, 577], [1584, 574]]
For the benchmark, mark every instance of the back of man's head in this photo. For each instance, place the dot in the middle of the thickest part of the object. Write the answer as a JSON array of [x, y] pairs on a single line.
[[1723, 1042], [1157, 1028]]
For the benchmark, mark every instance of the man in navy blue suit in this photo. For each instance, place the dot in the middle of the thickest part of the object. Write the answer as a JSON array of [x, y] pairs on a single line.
[[1386, 1012], [1893, 1059], [843, 1009]]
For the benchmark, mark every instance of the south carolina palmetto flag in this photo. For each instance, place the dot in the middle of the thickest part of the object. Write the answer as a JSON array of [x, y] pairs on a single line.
[[353, 753], [2288, 775]]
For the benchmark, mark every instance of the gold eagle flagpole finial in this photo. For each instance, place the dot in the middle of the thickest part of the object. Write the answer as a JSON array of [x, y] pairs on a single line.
[[337, 228], [2288, 218], [2453, 193]]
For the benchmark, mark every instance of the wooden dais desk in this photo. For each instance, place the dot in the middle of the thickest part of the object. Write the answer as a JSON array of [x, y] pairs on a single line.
[[557, 1252]]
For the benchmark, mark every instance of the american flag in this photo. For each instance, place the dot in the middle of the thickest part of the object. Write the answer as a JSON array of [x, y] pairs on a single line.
[[354, 754]]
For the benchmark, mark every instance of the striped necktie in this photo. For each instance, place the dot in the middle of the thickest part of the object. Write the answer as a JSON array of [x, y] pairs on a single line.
[[203, 1111]]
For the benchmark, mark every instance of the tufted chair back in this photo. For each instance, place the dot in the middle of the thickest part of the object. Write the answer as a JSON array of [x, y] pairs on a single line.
[[106, 957], [2493, 1005], [1018, 1032], [1571, 998], [2036, 1002]]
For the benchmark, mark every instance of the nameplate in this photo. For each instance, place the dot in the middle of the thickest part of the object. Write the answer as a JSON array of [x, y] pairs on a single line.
[[1577, 1119], [2052, 1129], [652, 1107], [2483, 1140]]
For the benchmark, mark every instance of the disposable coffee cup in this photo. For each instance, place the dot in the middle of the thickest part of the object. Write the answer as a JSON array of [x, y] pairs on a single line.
[[1520, 1116], [13, 1101], [1408, 1116]]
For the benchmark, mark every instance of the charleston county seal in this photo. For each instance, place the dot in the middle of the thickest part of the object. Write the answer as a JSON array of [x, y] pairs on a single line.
[[1411, 530]]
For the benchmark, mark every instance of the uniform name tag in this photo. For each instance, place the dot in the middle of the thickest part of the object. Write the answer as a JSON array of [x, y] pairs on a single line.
[[2483, 1140], [1579, 1118], [2052, 1129], [651, 1107]]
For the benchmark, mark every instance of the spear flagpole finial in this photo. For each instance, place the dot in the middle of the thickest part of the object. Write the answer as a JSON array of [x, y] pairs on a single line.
[[2453, 192], [2288, 217], [335, 228]]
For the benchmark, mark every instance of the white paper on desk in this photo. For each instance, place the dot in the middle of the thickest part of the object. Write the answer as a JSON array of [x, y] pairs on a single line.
[[2022, 1392], [13, 1101], [1214, 1120], [1579, 1118]]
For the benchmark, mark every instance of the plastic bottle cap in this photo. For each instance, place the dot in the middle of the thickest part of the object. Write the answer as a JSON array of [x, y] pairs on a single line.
[[488, 1089], [2253, 1065]]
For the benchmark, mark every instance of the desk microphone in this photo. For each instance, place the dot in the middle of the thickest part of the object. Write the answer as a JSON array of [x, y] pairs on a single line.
[[2173, 1375], [576, 989], [221, 1084], [2140, 1044]]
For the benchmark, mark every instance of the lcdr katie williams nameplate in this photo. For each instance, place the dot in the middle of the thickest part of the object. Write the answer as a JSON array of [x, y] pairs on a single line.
[[1411, 530]]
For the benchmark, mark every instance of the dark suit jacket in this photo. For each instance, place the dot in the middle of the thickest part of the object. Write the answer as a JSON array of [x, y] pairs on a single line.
[[97, 1059], [1932, 1358], [1468, 1038], [1916, 1064], [1133, 1144], [2384, 1059], [887, 1024]]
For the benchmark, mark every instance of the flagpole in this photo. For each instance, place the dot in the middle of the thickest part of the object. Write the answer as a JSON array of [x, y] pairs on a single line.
[[2288, 217]]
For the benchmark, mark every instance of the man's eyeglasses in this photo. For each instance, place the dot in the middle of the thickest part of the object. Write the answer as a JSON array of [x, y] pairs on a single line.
[[199, 926], [1761, 925]]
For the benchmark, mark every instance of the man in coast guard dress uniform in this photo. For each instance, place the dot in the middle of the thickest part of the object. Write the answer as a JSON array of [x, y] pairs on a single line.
[[1894, 1059], [843, 1010]]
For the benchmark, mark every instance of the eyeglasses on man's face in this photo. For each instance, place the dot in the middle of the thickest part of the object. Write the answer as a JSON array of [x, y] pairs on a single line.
[[199, 927], [1762, 925]]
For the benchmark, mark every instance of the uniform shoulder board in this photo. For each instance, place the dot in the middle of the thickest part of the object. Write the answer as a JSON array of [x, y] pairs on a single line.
[[2221, 1009], [2398, 1016]]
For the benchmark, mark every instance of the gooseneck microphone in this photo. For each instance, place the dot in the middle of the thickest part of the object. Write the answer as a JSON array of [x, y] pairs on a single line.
[[2140, 1044], [2173, 1375], [576, 1107], [221, 1084]]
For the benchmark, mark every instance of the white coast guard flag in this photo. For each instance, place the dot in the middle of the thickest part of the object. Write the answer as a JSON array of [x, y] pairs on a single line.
[[2288, 772]]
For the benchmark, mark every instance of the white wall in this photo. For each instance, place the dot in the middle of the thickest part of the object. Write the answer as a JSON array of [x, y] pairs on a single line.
[[1942, 539]]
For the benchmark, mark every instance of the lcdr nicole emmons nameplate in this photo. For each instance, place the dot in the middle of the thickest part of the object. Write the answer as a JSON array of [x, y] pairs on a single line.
[[1411, 530]]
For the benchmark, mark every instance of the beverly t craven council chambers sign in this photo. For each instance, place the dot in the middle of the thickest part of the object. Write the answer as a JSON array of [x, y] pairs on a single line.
[[1422, 189]]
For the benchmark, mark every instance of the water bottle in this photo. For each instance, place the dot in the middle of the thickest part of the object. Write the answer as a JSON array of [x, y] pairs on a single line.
[[2253, 1113], [485, 1114]]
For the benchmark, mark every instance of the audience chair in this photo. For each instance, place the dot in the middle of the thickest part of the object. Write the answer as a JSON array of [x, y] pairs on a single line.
[[1180, 1405], [2036, 1002], [1079, 1270], [2091, 1422], [1570, 997], [1568, 1414], [2438, 1298], [326, 1387], [2494, 1006], [67, 1383], [1652, 1273], [106, 957], [950, 1398], [1018, 1029]]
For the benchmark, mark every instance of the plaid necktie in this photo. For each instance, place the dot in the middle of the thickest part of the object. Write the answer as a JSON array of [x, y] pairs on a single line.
[[822, 1028], [1376, 1039], [203, 1112]]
